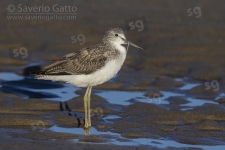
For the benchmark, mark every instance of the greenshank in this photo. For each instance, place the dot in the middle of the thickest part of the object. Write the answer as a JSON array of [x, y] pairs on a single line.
[[90, 66]]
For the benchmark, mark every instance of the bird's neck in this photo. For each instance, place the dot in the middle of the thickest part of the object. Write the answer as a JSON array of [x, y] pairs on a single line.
[[117, 47], [121, 49]]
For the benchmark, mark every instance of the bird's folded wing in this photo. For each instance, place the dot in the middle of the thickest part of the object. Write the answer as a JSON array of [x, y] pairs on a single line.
[[84, 61]]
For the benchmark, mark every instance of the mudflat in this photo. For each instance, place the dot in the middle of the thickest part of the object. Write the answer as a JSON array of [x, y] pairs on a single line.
[[173, 91]]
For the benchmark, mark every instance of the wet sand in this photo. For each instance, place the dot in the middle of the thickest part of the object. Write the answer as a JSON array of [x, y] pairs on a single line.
[[182, 49]]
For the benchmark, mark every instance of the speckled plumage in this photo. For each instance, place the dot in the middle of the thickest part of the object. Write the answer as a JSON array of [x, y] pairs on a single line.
[[92, 65], [89, 66], [84, 61]]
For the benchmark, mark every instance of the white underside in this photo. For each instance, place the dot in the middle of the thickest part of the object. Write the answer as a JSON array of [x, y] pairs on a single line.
[[98, 77]]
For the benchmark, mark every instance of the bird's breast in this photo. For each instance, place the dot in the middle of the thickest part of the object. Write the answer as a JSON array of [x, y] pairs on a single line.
[[108, 71]]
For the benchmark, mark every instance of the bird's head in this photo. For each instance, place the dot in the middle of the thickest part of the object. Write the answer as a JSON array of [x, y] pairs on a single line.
[[116, 36]]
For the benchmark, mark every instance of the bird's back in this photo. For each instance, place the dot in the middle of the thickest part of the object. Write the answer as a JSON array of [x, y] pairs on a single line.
[[84, 61]]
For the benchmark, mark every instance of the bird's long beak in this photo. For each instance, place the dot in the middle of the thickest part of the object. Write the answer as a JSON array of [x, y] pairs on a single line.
[[130, 43]]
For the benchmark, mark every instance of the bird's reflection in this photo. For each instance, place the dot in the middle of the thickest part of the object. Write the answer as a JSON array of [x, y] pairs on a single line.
[[79, 119]]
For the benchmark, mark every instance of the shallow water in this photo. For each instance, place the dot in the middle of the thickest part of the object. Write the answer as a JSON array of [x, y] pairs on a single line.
[[29, 87], [62, 92], [113, 137]]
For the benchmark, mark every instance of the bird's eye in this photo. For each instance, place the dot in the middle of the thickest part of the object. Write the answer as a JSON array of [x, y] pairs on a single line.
[[116, 34]]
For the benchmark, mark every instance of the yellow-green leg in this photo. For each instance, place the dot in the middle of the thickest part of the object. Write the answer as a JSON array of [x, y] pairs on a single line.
[[89, 105], [86, 107]]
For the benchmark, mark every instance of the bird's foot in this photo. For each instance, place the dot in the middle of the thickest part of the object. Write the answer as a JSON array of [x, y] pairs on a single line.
[[87, 131]]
